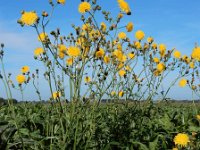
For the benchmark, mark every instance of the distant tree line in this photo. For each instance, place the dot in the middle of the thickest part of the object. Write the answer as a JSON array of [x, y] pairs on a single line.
[[5, 101]]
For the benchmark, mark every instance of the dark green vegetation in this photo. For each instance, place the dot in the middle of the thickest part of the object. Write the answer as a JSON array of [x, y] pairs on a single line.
[[88, 126]]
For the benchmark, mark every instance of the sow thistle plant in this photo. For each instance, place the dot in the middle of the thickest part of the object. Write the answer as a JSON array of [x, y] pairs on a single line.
[[98, 60]]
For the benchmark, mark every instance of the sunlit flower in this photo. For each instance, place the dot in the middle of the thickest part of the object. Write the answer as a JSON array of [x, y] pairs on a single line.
[[196, 53], [38, 51], [119, 55], [86, 27], [198, 117], [100, 53], [84, 7], [61, 1], [131, 55], [113, 93], [62, 48], [103, 27], [119, 47], [29, 18], [192, 65], [25, 69], [138, 45], [61, 54], [73, 51], [149, 39], [69, 61], [161, 67], [124, 6], [154, 46], [182, 82], [122, 72], [106, 59], [42, 37], [56, 95], [181, 139], [87, 79], [121, 93], [162, 49], [128, 68], [129, 27], [175, 148], [177, 54], [122, 35], [186, 59], [156, 60], [139, 35], [20, 78]]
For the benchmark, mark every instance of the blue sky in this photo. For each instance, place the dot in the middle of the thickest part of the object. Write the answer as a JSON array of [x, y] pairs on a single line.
[[175, 23]]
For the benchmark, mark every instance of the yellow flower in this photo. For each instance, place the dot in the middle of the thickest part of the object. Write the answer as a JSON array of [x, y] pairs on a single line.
[[122, 35], [162, 49], [106, 59], [20, 78], [25, 69], [198, 117], [124, 6], [192, 65], [69, 61], [186, 59], [161, 67], [182, 82], [84, 7], [156, 73], [121, 93], [119, 47], [73, 51], [139, 35], [196, 53], [154, 46], [128, 68], [129, 27], [86, 27], [42, 37], [62, 48], [29, 18], [156, 60], [177, 54], [61, 1], [137, 44], [122, 73], [131, 55], [119, 55], [100, 53], [87, 79], [61, 54], [175, 148], [38, 51], [149, 39], [113, 93], [56, 95], [103, 27], [181, 139]]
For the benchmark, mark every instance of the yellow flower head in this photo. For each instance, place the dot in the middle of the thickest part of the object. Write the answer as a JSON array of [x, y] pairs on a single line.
[[121, 93], [181, 139], [29, 18], [38, 51], [61, 54], [154, 46], [196, 53], [139, 35], [106, 59], [119, 47], [177, 54], [61, 1], [122, 73], [84, 7], [25, 69], [100, 53], [138, 45], [124, 6], [87, 79], [103, 27], [156, 60], [131, 55], [73, 51], [162, 49], [20, 78], [128, 68], [62, 48], [129, 27], [192, 65], [150, 39], [42, 37], [122, 35], [182, 82], [175, 148], [69, 61], [198, 117], [113, 93], [56, 95], [161, 67]]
